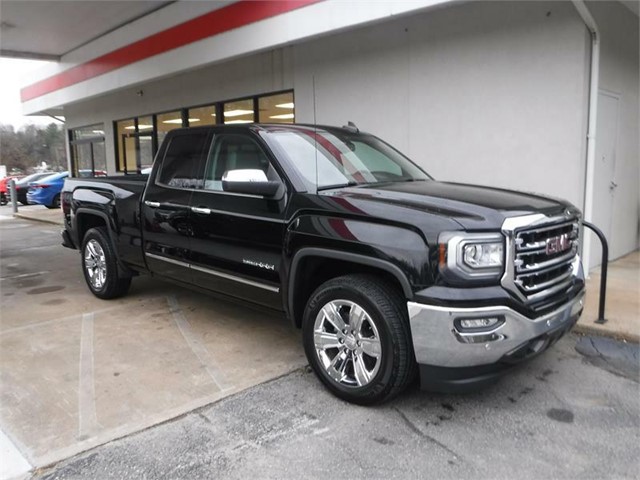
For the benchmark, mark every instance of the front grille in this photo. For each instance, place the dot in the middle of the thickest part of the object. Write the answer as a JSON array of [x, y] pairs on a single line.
[[543, 259]]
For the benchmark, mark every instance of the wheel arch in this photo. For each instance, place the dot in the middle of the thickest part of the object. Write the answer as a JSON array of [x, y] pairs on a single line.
[[86, 219], [327, 264]]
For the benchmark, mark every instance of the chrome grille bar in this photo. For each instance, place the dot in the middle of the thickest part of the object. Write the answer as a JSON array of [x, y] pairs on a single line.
[[540, 272], [524, 266]]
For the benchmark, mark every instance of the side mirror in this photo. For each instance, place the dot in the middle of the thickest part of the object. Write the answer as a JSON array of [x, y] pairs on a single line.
[[251, 182]]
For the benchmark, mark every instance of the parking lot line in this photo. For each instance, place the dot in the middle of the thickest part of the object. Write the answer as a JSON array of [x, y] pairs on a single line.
[[53, 320], [87, 417], [24, 275], [198, 349]]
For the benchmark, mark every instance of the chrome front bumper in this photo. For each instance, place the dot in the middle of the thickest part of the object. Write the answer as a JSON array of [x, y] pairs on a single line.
[[438, 342]]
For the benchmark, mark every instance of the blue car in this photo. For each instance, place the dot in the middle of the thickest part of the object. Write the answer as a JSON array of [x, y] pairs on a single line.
[[46, 191]]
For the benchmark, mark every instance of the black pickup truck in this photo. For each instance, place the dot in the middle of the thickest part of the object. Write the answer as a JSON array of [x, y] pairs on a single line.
[[388, 272]]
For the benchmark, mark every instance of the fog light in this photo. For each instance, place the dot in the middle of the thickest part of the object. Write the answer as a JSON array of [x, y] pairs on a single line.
[[485, 323]]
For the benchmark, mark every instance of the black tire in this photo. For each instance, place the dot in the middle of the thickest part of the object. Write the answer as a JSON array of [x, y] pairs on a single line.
[[55, 203], [114, 285], [387, 309]]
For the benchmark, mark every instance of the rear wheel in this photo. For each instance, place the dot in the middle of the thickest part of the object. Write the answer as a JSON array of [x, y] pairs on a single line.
[[99, 265], [357, 339], [55, 203]]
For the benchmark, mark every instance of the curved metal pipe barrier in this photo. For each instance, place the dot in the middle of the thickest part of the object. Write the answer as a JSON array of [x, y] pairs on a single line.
[[603, 269]]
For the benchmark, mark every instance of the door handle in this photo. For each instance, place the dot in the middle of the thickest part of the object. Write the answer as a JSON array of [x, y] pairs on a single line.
[[152, 204], [201, 210]]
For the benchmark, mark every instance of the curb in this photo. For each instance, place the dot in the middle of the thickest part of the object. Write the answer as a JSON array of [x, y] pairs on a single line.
[[590, 330], [35, 219]]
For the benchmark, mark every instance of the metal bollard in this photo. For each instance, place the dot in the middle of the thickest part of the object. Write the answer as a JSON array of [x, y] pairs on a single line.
[[603, 269], [14, 195]]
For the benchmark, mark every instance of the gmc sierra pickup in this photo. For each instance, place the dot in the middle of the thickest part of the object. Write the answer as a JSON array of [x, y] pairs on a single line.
[[388, 272]]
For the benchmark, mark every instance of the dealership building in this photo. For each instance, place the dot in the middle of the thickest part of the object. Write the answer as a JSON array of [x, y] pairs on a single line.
[[534, 96]]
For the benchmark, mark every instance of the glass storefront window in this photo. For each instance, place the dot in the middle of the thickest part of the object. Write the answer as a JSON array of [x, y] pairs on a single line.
[[88, 132], [124, 128], [202, 116], [276, 108], [239, 112], [86, 145], [167, 122], [145, 124], [99, 159], [138, 139]]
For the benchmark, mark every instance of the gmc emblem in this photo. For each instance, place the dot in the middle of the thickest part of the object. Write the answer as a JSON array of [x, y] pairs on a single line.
[[558, 244]]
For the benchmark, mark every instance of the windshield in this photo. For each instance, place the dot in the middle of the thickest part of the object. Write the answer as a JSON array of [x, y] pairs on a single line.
[[343, 159]]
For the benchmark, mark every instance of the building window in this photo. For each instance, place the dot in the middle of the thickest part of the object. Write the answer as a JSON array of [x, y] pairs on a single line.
[[138, 139], [88, 158], [167, 122], [276, 108], [241, 111], [201, 116]]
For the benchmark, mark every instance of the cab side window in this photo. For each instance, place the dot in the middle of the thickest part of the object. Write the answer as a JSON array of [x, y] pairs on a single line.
[[183, 163], [234, 152]]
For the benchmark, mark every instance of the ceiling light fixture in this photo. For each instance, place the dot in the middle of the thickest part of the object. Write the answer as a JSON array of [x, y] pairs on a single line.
[[140, 127], [179, 120], [238, 121], [284, 116], [285, 105], [237, 113]]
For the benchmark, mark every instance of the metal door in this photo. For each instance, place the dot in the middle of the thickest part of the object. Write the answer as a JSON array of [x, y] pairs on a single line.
[[166, 213], [604, 184], [237, 239]]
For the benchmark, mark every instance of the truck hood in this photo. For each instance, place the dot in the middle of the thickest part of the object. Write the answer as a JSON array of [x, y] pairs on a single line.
[[473, 207]]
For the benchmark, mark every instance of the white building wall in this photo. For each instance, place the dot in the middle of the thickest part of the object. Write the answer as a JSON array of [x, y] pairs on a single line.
[[619, 67], [493, 93], [260, 73]]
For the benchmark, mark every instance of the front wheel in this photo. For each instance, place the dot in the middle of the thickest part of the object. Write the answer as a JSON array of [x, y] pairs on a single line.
[[357, 339], [99, 265]]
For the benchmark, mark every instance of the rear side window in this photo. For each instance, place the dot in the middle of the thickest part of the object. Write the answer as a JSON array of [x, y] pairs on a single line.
[[183, 163]]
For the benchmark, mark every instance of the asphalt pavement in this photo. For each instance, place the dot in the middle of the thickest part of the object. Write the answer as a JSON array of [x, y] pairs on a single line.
[[560, 416], [574, 412]]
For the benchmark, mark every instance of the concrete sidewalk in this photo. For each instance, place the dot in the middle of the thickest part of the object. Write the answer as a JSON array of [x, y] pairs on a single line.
[[40, 213], [623, 297], [622, 309]]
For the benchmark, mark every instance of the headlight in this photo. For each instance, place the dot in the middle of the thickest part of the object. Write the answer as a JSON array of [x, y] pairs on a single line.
[[482, 255], [469, 256]]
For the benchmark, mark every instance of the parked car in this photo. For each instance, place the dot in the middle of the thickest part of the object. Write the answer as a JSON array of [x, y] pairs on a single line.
[[4, 188], [388, 272], [46, 191], [22, 185], [91, 173]]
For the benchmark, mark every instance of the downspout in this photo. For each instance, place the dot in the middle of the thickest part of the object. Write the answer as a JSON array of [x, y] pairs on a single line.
[[594, 73]]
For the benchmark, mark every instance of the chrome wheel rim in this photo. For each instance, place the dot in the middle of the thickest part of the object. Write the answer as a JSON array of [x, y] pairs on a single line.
[[95, 264], [347, 343]]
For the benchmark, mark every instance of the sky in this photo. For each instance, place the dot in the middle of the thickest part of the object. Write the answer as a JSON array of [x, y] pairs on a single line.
[[12, 75]]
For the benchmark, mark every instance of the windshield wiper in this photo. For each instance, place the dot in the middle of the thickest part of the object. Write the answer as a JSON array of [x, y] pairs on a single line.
[[338, 185]]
